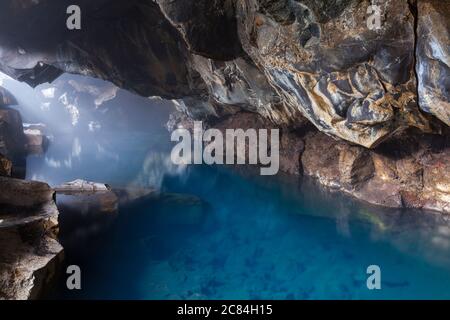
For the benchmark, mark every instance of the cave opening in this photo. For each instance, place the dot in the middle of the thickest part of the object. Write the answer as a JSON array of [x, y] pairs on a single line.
[[88, 179]]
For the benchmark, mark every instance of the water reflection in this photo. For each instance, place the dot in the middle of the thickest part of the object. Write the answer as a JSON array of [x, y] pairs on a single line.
[[155, 168]]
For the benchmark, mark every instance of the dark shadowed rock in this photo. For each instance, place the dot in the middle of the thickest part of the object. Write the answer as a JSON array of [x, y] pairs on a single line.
[[284, 59], [12, 138], [129, 43], [208, 26]]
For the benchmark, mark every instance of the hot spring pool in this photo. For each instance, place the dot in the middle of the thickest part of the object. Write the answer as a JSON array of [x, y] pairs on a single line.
[[218, 234]]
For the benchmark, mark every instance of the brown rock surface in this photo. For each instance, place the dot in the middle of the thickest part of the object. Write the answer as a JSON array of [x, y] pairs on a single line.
[[30, 255], [433, 57]]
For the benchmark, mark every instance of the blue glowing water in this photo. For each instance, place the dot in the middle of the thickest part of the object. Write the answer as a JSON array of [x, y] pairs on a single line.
[[219, 234]]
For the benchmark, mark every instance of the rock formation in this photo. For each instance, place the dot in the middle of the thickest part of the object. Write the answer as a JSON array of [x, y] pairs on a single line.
[[363, 86], [283, 59], [30, 255]]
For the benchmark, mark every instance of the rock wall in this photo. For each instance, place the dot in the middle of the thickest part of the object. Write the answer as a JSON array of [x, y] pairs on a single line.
[[286, 60], [30, 255], [291, 62], [407, 171]]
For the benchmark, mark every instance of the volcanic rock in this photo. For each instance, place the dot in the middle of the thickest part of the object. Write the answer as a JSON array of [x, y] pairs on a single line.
[[30, 255]]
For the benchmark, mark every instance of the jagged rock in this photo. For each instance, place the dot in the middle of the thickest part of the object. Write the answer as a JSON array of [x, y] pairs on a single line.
[[115, 36], [433, 57], [30, 255], [309, 58], [17, 192], [5, 166], [234, 86], [349, 81]]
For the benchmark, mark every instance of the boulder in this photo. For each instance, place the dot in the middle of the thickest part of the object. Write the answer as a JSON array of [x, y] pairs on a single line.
[[22, 193], [30, 255]]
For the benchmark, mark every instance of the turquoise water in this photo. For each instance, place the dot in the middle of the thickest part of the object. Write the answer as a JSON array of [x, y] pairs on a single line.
[[215, 233]]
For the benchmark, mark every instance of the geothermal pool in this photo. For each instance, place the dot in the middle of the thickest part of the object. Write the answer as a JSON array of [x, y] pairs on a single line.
[[218, 234]]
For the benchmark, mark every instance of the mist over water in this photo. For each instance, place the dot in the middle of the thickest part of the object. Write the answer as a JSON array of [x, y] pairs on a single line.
[[216, 233]]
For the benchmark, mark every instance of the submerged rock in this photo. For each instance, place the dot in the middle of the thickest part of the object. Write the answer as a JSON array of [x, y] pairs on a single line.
[[30, 255], [88, 202]]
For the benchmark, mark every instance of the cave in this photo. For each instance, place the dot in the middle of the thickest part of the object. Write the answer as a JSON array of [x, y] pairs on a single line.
[[348, 100]]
